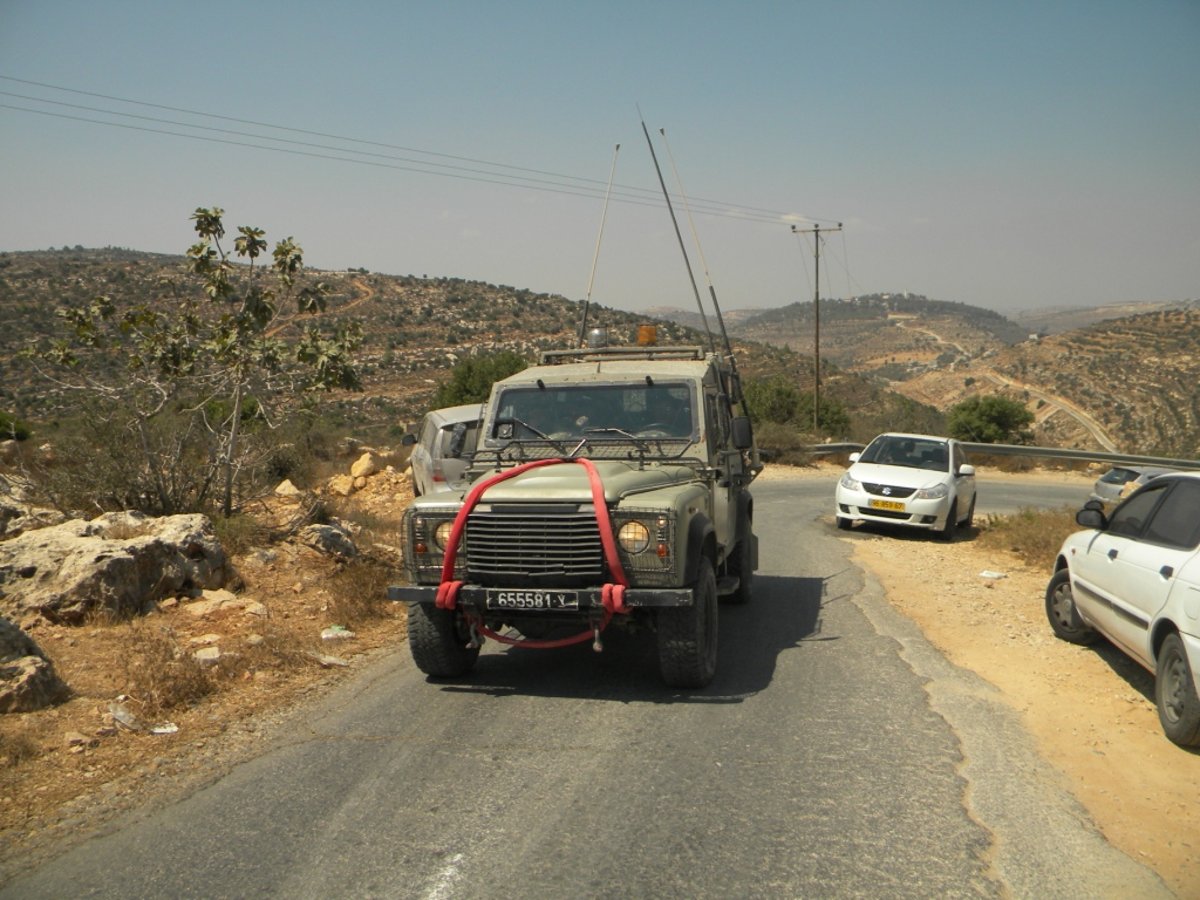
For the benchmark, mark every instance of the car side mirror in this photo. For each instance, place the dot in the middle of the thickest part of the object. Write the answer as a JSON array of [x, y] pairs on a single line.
[[743, 432], [1094, 504], [458, 437], [1089, 517], [408, 440], [855, 456], [966, 469]]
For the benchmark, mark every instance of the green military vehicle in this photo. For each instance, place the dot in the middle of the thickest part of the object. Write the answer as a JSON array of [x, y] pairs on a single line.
[[610, 486]]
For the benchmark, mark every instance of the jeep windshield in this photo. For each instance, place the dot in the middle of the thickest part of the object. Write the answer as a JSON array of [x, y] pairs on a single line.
[[595, 419]]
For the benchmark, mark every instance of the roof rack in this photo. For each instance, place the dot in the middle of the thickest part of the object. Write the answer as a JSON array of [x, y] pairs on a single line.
[[554, 357]]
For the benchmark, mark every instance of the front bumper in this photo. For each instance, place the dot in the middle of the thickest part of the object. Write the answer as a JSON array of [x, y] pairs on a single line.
[[589, 598], [915, 513]]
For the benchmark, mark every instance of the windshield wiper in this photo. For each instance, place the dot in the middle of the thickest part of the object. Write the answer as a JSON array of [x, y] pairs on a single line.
[[612, 429]]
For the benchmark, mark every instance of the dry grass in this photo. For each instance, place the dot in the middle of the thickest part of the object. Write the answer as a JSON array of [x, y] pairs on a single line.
[[359, 591], [160, 674], [16, 746], [1033, 535]]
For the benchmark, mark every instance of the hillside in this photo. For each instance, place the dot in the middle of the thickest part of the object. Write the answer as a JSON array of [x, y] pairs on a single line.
[[1127, 383], [416, 328]]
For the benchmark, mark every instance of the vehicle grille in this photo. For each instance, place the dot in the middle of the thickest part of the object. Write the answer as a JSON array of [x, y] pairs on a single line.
[[518, 545], [888, 490]]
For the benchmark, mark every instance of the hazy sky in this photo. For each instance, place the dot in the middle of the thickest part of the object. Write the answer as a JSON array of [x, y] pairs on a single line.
[[1010, 155]]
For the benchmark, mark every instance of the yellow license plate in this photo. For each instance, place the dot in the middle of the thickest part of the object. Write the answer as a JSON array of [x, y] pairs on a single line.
[[894, 505]]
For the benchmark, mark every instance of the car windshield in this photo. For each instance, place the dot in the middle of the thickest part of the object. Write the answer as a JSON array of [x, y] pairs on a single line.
[[610, 412], [911, 452]]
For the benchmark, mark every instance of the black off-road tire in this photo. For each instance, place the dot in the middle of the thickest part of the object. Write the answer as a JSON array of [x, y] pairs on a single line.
[[438, 644], [1061, 611], [1175, 694], [687, 635]]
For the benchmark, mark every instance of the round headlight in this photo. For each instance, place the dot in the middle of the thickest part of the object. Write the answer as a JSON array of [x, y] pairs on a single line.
[[441, 536], [634, 537]]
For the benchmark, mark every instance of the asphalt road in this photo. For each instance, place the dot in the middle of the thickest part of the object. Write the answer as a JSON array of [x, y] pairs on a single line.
[[836, 754]]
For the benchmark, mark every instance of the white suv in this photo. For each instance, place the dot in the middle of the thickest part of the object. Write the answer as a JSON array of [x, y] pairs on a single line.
[[1134, 577]]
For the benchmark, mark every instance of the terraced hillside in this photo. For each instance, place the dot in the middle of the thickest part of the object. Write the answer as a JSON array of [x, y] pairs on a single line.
[[416, 328], [894, 336], [1138, 376]]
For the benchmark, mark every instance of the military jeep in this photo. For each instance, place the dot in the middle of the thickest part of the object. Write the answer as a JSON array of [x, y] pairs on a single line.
[[609, 487]]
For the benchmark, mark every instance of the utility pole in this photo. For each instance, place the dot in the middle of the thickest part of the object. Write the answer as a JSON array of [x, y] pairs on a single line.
[[815, 231]]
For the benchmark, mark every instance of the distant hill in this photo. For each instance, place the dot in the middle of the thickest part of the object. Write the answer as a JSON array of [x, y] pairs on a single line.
[[893, 360], [416, 328], [1056, 320]]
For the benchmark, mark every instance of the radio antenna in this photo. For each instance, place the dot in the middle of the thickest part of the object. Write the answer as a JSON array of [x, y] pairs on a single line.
[[687, 262], [596, 256], [712, 292]]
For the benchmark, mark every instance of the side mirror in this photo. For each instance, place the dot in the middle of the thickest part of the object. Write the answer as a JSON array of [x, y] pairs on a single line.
[[408, 440], [966, 469], [743, 433], [458, 437], [1089, 517], [855, 456], [1094, 504]]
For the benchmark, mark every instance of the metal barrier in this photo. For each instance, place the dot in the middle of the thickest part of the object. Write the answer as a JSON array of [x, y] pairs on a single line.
[[1037, 453]]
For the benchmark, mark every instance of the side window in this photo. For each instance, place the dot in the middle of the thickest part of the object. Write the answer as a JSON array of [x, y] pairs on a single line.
[[428, 433], [1130, 517], [1177, 521]]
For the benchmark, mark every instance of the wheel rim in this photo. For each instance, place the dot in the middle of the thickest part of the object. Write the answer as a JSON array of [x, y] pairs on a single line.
[[1174, 688], [1062, 604]]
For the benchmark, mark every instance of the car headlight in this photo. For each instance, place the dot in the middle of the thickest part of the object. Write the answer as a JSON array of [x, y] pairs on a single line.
[[937, 492], [441, 536], [634, 537], [850, 484]]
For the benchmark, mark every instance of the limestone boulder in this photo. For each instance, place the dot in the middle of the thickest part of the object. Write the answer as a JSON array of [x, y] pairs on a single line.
[[123, 563], [27, 678]]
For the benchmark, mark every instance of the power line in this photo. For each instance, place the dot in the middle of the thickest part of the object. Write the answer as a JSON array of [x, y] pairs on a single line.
[[507, 175]]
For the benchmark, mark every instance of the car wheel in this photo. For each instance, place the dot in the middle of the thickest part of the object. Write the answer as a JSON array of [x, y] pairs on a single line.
[[843, 523], [947, 531], [1175, 694], [687, 635], [1061, 611], [438, 642]]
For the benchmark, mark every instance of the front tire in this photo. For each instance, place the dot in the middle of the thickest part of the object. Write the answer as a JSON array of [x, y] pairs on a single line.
[[438, 643], [687, 635], [951, 525], [1175, 694], [1061, 611]]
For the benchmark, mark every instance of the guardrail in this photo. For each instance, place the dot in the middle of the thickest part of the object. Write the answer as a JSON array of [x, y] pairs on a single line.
[[1037, 453]]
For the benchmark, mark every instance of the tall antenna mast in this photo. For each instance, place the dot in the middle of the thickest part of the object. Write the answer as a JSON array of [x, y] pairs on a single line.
[[587, 300], [687, 262], [712, 292], [815, 231]]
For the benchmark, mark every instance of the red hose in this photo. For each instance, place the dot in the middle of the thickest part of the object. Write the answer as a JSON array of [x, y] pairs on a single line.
[[612, 595]]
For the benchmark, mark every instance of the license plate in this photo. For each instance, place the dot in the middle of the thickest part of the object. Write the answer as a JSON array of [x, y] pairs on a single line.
[[534, 600], [895, 505]]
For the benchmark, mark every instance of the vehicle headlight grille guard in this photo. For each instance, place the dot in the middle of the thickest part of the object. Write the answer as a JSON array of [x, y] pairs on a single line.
[[418, 529], [657, 565]]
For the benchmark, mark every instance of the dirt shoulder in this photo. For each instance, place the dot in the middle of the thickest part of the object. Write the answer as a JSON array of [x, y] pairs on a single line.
[[1090, 709]]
